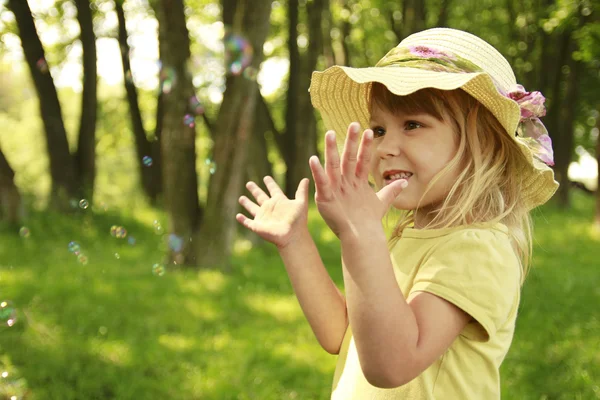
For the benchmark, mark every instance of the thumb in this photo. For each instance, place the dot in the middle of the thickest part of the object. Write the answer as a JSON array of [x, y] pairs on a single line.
[[388, 194], [302, 191]]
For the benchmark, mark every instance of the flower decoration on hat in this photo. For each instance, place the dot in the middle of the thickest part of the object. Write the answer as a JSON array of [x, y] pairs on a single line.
[[531, 130]]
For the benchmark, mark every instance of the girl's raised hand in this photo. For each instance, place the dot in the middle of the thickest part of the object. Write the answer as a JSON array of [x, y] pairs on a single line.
[[276, 218], [343, 195]]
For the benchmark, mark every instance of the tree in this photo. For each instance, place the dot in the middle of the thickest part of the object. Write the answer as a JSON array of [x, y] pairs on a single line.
[[62, 164], [10, 200], [178, 133], [233, 126], [148, 153], [85, 158]]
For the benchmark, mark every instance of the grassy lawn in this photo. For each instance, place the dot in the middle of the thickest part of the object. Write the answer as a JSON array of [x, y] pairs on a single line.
[[111, 329]]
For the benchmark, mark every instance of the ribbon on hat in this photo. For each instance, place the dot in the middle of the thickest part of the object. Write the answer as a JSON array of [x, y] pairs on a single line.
[[531, 131]]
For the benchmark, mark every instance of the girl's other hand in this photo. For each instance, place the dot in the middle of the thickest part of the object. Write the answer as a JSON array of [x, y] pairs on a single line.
[[276, 218]]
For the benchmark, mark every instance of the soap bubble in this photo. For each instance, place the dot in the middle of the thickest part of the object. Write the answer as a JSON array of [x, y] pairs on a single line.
[[147, 160], [238, 53], [83, 203], [189, 120], [24, 232], [158, 269], [8, 314], [42, 65], [74, 247]]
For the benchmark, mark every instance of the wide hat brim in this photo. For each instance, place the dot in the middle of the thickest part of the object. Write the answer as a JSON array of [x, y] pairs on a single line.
[[341, 95]]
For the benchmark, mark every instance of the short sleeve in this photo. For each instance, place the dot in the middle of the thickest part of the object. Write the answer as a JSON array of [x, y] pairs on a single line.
[[478, 271]]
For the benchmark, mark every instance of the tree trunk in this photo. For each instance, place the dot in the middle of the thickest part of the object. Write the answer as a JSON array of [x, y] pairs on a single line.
[[62, 165], [598, 176], [566, 142], [217, 232], [291, 112], [178, 134], [85, 157], [150, 175], [327, 45], [442, 20], [11, 210]]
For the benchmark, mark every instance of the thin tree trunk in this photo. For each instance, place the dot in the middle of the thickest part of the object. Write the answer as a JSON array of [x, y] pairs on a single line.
[[566, 142], [11, 210], [62, 165], [346, 29], [442, 20], [217, 232], [598, 176], [291, 111], [149, 174], [327, 48], [177, 137], [85, 157]]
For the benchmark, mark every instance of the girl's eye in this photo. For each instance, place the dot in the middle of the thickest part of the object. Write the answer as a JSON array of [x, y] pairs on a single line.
[[378, 132], [410, 125]]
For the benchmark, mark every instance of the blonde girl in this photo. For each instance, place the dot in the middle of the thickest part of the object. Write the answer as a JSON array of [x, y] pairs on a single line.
[[454, 156]]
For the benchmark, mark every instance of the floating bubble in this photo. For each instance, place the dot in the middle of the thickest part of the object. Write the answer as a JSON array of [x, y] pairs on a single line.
[[238, 53], [158, 269], [113, 230], [74, 247], [103, 330], [188, 120], [83, 204], [121, 232], [175, 243], [168, 79], [158, 229], [82, 258], [4, 374], [147, 160], [196, 106], [212, 166], [131, 240], [117, 256], [42, 65], [8, 314], [250, 73], [24, 232]]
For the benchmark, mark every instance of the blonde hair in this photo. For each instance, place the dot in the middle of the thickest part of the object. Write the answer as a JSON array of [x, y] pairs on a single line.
[[488, 188]]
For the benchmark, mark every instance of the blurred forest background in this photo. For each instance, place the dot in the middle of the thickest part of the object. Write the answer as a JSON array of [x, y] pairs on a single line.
[[127, 131]]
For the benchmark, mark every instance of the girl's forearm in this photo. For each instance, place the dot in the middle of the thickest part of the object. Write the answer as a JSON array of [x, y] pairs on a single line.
[[321, 301]]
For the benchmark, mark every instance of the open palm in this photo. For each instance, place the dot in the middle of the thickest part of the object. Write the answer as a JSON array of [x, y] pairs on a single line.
[[276, 218]]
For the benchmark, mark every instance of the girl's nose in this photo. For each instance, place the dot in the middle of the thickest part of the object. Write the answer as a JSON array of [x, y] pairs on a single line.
[[389, 146]]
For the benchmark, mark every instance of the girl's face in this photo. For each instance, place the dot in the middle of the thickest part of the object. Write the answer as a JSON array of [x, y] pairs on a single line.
[[416, 146]]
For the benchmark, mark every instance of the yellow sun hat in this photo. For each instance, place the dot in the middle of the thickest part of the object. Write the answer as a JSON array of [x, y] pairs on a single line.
[[445, 59]]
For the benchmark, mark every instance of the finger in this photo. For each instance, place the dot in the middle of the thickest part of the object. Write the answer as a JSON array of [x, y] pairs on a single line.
[[272, 186], [388, 194], [247, 222], [349, 156], [302, 192], [249, 205], [257, 192], [364, 155], [332, 159], [322, 184]]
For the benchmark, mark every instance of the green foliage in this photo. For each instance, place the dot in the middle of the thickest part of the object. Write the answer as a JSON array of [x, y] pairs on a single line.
[[111, 329]]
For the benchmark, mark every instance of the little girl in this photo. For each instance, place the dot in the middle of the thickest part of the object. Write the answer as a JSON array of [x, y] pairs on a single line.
[[457, 156]]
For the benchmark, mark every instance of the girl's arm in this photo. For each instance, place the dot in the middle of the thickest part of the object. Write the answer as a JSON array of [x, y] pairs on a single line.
[[396, 340], [321, 301]]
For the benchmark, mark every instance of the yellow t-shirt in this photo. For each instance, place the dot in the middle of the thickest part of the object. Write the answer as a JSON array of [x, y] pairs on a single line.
[[477, 270]]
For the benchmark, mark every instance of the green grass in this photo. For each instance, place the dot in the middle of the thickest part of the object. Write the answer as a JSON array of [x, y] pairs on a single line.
[[112, 330]]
